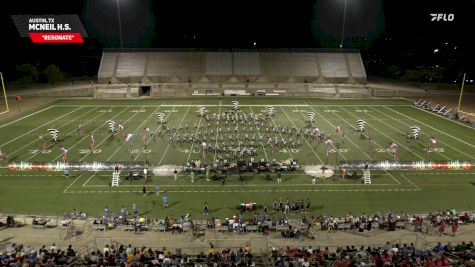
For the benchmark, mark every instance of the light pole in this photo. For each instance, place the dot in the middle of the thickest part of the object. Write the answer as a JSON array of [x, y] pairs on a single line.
[[120, 25], [343, 26]]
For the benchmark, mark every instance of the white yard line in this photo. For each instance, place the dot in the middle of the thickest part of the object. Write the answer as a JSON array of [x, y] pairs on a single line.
[[160, 126], [460, 140], [254, 191], [166, 150], [87, 181], [414, 153], [138, 128], [282, 138], [27, 116], [308, 144], [256, 105], [262, 145], [408, 130], [87, 136], [36, 140], [105, 139], [390, 175], [44, 124], [217, 127], [192, 143], [72, 183], [441, 116], [249, 185], [336, 149], [364, 152], [404, 176]]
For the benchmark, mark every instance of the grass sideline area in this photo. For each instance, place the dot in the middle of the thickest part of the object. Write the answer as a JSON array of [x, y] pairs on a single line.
[[387, 120]]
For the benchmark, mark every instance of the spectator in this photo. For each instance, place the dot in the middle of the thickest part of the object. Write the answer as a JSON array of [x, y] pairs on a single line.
[[454, 228], [206, 208], [135, 209], [66, 173], [442, 228], [157, 190]]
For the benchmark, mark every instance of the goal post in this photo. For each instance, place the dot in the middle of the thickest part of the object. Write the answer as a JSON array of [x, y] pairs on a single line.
[[4, 100], [461, 97]]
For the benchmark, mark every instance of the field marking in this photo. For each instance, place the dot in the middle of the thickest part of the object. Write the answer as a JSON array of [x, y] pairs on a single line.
[[281, 137], [217, 127], [471, 145], [308, 144], [364, 152], [68, 134], [138, 127], [390, 175], [244, 186], [252, 105], [86, 136], [442, 173], [449, 146], [253, 191], [72, 183], [262, 144], [168, 146], [192, 143], [35, 140], [105, 139], [414, 153], [441, 116], [407, 179], [87, 181], [417, 140], [44, 124], [27, 116], [160, 126], [337, 150]]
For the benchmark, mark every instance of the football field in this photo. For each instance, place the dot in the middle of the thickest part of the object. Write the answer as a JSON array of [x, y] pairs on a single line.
[[387, 121]]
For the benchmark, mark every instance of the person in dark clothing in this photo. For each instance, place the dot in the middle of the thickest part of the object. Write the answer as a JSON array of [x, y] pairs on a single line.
[[206, 208]]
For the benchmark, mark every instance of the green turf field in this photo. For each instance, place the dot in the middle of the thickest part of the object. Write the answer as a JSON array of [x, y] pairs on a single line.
[[387, 120]]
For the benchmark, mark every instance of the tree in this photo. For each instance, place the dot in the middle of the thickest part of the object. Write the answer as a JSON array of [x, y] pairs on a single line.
[[393, 70], [53, 74], [29, 73]]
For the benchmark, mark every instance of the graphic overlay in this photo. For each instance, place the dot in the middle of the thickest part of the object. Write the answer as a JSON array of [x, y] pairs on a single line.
[[50, 28], [426, 165], [78, 166]]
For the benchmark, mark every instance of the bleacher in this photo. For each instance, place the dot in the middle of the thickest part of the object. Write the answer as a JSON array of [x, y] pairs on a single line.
[[333, 65], [343, 66], [219, 64], [131, 65]]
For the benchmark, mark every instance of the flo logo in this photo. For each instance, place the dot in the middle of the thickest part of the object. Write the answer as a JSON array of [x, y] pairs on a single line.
[[442, 17]]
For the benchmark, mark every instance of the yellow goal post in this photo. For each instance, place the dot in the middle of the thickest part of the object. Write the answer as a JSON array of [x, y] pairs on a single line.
[[4, 96]]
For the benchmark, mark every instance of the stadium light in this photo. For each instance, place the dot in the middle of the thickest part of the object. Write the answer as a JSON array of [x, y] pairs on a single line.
[[120, 25], [343, 26]]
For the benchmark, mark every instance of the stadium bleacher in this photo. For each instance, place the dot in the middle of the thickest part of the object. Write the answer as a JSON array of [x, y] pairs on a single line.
[[242, 66]]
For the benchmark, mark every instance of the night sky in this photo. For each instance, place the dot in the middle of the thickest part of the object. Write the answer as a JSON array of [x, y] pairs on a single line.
[[387, 32]]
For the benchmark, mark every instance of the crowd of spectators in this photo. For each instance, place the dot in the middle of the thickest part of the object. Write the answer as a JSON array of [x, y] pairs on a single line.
[[405, 255], [120, 255]]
